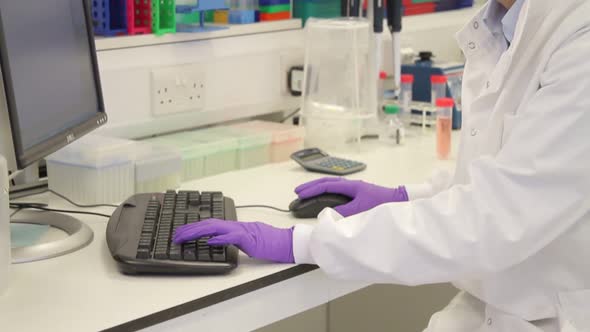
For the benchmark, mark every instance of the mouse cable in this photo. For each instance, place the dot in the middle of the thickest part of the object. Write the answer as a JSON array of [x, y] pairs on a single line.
[[262, 206]]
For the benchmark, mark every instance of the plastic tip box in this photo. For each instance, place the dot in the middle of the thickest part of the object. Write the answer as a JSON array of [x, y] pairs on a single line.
[[285, 139], [211, 151], [99, 169], [203, 153]]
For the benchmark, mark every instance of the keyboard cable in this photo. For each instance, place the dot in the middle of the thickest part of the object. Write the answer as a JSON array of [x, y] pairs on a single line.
[[263, 207], [43, 207]]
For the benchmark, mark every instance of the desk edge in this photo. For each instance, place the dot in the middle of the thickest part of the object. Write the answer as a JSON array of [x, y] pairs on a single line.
[[210, 300]]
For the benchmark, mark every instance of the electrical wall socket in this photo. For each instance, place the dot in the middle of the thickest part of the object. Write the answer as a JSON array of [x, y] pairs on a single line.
[[177, 89], [289, 59]]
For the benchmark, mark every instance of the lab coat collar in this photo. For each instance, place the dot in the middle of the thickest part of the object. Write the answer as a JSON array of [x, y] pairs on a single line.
[[478, 43], [502, 21], [473, 29], [510, 20], [493, 16]]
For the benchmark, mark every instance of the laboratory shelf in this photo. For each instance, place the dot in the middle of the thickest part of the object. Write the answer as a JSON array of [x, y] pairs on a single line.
[[112, 43]]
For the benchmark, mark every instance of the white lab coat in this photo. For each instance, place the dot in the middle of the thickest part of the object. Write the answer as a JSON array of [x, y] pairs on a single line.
[[511, 228]]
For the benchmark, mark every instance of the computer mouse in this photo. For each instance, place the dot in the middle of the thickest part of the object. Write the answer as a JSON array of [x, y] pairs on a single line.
[[311, 207]]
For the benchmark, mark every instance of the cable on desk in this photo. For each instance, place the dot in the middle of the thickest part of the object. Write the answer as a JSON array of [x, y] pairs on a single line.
[[39, 207], [15, 212], [81, 205], [290, 115], [262, 206]]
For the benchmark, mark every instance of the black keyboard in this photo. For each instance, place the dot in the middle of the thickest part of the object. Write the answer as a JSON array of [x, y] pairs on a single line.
[[140, 232]]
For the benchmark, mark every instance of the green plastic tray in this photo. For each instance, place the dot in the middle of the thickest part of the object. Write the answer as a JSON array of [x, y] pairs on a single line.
[[275, 9], [318, 8], [163, 16]]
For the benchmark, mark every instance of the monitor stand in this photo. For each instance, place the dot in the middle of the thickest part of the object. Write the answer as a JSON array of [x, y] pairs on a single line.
[[80, 235]]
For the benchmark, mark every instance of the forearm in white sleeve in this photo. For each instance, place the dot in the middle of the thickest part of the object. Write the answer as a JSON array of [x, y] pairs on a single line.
[[438, 181]]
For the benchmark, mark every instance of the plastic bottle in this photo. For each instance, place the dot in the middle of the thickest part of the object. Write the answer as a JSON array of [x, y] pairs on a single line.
[[444, 125], [392, 129], [439, 88], [406, 97]]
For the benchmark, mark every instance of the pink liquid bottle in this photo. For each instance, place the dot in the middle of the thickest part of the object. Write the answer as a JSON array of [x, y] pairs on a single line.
[[444, 126]]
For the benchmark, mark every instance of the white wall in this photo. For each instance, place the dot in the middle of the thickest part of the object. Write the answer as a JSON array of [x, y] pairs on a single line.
[[244, 77]]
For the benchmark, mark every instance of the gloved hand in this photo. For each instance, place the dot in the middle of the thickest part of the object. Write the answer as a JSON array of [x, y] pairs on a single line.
[[256, 239], [365, 196]]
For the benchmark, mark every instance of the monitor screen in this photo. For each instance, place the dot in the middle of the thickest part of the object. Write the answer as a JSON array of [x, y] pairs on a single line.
[[50, 74]]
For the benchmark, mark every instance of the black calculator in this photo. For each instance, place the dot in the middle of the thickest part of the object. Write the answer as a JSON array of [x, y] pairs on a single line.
[[315, 160]]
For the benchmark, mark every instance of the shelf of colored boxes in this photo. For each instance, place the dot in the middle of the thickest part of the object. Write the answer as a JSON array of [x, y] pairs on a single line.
[[274, 10], [120, 17], [416, 7]]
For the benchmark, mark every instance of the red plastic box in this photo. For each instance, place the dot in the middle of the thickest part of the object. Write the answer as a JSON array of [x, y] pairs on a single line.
[[275, 16], [139, 16], [419, 8]]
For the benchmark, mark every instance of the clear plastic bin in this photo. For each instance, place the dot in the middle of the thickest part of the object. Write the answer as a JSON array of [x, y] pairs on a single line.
[[220, 150], [94, 170], [191, 153], [336, 102], [157, 168], [204, 152], [285, 139], [253, 147]]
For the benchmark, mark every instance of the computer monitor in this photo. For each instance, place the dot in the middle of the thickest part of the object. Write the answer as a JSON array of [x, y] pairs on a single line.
[[51, 92]]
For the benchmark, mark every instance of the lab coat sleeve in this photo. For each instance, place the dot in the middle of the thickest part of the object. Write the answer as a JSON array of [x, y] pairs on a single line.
[[536, 188], [438, 181]]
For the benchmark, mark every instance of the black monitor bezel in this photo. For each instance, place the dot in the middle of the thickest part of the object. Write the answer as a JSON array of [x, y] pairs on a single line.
[[26, 157]]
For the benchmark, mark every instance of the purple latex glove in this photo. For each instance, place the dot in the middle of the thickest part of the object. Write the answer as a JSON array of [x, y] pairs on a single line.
[[256, 239], [365, 196]]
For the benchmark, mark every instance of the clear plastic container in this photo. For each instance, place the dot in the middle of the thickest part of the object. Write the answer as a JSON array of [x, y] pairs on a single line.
[[192, 155], [157, 168], [253, 147], [204, 152], [392, 129], [444, 126], [94, 170], [438, 88], [336, 104], [219, 148], [406, 97], [285, 139]]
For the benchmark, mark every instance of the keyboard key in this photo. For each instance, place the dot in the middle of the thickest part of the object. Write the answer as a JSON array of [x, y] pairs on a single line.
[[145, 243], [176, 252], [161, 254], [218, 254], [143, 253], [217, 197], [206, 214], [194, 201], [189, 251], [204, 255]]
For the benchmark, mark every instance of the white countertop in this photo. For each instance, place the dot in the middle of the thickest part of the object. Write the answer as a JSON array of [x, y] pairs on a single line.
[[83, 291]]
